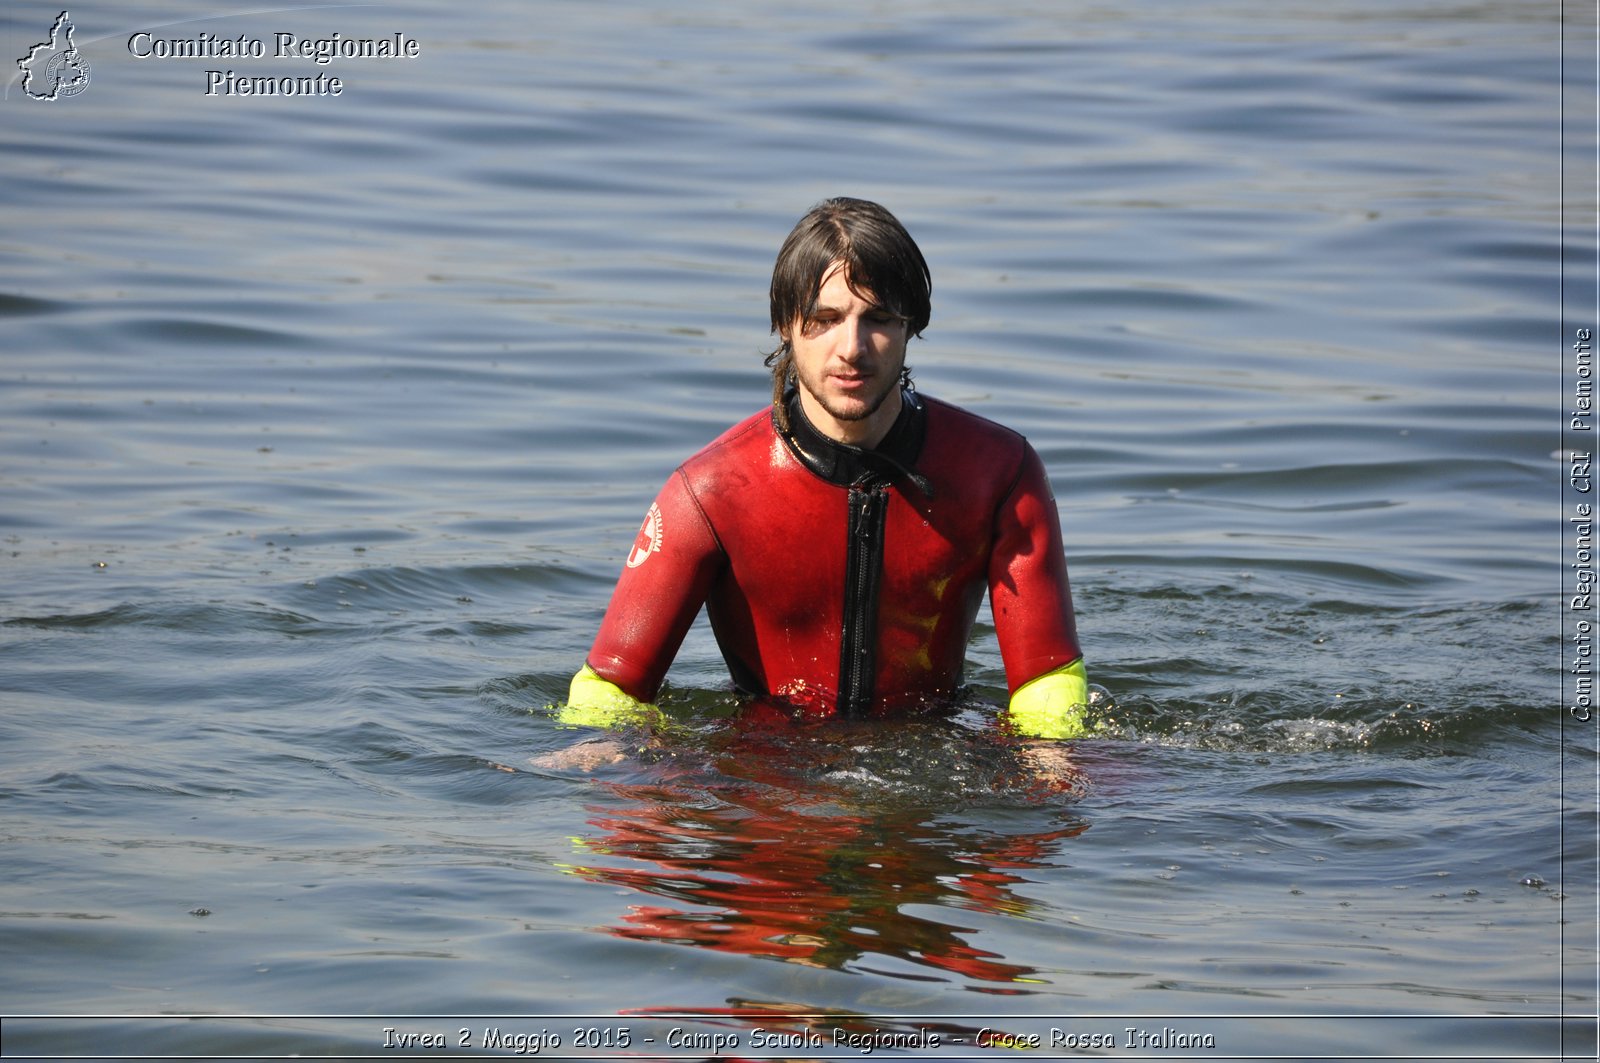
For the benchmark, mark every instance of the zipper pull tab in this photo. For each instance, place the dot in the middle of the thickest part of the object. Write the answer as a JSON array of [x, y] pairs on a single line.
[[865, 497]]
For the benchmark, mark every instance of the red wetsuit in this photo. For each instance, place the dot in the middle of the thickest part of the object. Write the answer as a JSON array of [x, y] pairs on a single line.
[[845, 580]]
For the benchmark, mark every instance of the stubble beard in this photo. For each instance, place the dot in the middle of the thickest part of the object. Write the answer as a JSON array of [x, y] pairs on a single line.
[[852, 409], [856, 411]]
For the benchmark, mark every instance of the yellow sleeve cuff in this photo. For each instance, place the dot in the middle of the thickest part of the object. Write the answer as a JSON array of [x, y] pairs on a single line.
[[596, 702], [1053, 705]]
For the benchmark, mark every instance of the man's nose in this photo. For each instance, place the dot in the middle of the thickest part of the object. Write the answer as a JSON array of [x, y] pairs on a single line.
[[853, 338]]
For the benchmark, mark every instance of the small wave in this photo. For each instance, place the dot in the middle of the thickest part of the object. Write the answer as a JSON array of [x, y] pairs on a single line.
[[200, 618], [25, 306], [428, 587], [1356, 575], [198, 332], [1282, 723]]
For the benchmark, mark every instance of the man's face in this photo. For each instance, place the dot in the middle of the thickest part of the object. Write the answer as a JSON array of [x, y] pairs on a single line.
[[847, 356]]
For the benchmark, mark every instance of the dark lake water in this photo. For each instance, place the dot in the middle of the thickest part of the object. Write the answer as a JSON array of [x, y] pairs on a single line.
[[326, 422]]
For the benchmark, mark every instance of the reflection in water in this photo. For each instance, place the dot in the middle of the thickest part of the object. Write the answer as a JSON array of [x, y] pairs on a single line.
[[766, 871]]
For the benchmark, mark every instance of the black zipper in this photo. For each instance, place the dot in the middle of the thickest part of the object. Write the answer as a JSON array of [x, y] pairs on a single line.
[[858, 663]]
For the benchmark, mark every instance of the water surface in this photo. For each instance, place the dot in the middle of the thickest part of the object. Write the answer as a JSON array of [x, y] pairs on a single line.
[[325, 424]]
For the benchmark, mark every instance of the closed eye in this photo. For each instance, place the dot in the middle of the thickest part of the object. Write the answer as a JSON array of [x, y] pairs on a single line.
[[817, 324], [823, 320]]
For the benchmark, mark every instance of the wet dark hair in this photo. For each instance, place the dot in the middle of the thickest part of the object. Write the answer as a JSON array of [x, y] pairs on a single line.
[[879, 256]]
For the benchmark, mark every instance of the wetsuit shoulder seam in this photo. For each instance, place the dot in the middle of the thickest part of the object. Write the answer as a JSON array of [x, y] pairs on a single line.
[[709, 455], [961, 411], [729, 437], [705, 518], [1018, 447]]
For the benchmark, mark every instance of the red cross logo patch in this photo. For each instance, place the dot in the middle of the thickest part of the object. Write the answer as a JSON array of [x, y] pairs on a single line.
[[649, 539]]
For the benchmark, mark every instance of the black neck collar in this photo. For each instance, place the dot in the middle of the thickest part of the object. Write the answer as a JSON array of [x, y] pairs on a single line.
[[843, 464]]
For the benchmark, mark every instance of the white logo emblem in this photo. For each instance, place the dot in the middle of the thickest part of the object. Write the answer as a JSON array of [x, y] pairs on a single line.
[[649, 539], [55, 68]]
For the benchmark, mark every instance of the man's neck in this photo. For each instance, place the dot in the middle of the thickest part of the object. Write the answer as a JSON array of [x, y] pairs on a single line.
[[894, 458]]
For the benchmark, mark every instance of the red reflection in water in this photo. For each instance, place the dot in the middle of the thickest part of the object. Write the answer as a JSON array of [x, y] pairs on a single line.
[[770, 873]]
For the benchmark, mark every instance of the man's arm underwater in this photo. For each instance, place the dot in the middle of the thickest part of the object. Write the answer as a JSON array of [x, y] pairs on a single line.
[[596, 702]]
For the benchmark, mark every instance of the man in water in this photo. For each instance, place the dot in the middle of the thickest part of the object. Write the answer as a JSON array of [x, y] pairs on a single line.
[[842, 540]]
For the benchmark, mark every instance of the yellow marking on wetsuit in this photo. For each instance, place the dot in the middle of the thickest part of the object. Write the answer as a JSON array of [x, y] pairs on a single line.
[[596, 702], [1053, 705]]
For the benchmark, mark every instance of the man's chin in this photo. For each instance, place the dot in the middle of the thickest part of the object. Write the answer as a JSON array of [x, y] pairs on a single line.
[[850, 412], [853, 408]]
